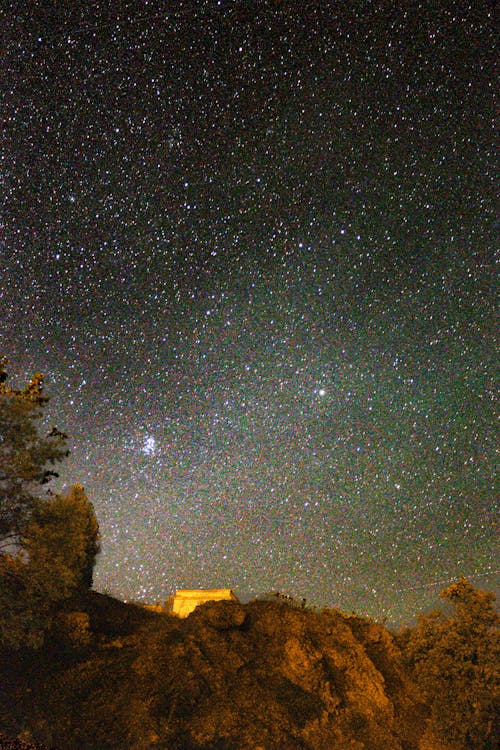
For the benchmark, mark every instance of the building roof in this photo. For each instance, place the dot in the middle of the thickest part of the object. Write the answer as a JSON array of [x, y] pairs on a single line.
[[185, 601]]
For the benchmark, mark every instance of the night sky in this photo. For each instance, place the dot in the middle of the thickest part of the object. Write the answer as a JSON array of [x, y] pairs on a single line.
[[251, 246]]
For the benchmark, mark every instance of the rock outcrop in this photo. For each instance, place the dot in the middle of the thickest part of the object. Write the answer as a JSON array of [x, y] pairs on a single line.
[[261, 676], [268, 675]]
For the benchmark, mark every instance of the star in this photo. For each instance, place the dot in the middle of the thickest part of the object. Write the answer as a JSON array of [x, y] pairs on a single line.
[[253, 255]]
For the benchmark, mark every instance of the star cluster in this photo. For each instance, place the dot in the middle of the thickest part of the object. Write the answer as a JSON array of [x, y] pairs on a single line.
[[251, 246]]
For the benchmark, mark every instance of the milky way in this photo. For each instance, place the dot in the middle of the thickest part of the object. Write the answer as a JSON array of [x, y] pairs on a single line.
[[251, 246]]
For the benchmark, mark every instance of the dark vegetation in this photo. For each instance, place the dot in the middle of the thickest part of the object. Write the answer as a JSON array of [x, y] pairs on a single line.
[[82, 670]]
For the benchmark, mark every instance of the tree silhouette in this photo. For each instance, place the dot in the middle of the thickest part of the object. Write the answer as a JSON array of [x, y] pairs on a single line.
[[25, 455], [62, 541], [456, 662], [48, 543], [56, 560]]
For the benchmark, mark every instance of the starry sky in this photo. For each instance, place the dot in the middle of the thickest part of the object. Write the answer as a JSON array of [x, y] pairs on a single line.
[[251, 247]]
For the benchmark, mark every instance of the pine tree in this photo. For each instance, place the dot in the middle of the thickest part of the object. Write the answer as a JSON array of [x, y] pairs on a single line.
[[25, 455], [56, 560], [62, 541], [456, 662], [53, 540]]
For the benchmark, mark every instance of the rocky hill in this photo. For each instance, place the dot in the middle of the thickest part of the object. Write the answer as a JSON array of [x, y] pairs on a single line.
[[268, 675], [231, 677]]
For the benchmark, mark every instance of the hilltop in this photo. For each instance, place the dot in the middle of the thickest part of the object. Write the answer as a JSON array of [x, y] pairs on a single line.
[[230, 676]]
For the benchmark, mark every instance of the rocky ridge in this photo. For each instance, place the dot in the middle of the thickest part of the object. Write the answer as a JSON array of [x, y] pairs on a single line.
[[261, 676]]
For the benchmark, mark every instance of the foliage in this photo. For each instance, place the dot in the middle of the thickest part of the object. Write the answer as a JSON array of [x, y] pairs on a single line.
[[59, 545], [55, 538], [73, 629], [25, 612], [24, 454], [455, 660], [63, 537]]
